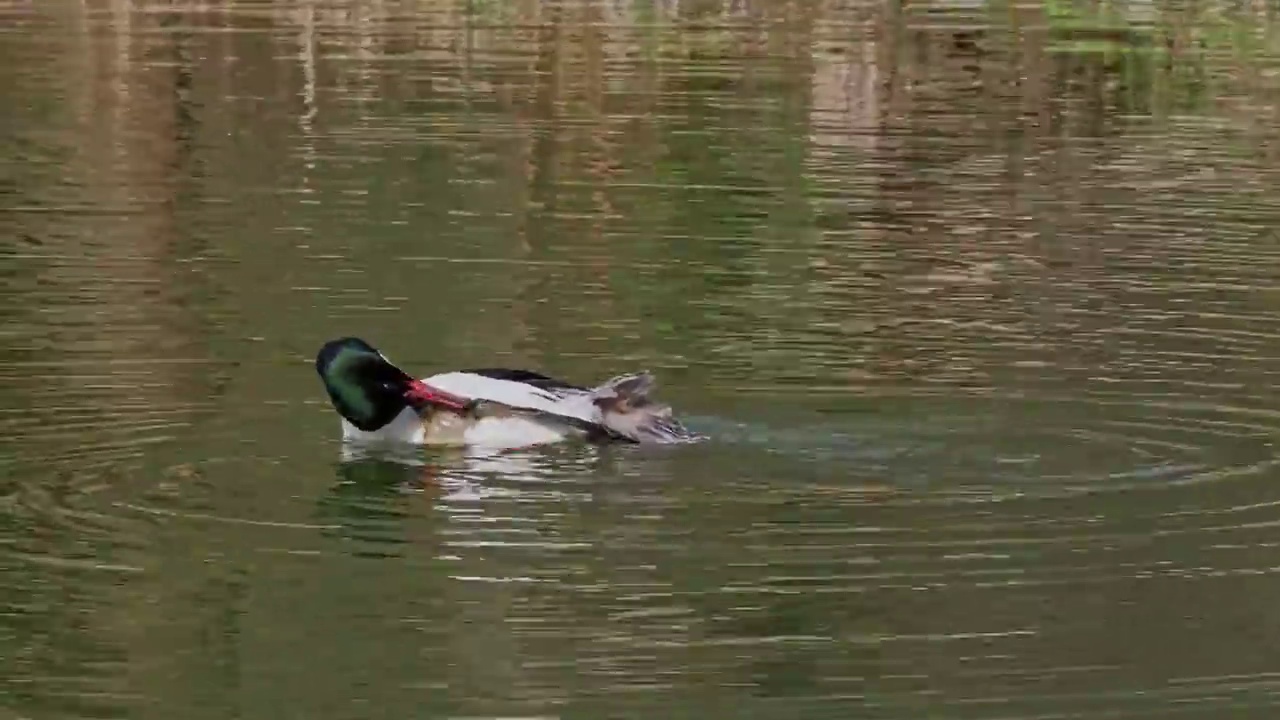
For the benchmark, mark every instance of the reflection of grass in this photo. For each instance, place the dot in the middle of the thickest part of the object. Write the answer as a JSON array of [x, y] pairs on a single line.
[[490, 12], [1102, 29], [1108, 27], [1066, 14], [1192, 55]]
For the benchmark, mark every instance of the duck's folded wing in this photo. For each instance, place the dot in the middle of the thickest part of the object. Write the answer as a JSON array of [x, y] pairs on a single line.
[[621, 407], [492, 409], [556, 400]]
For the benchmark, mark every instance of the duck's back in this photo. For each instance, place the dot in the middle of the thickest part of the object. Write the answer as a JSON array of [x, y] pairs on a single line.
[[620, 407], [519, 389]]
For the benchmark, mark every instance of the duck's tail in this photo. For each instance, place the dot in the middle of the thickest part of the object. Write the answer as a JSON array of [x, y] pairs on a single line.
[[626, 409]]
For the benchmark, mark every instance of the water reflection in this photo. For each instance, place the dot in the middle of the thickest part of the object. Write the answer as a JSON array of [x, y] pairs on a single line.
[[974, 305]]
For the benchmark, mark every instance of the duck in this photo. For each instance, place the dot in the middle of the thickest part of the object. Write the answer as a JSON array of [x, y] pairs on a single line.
[[486, 407]]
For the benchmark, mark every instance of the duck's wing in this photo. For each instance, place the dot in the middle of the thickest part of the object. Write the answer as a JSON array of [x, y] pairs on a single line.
[[565, 424], [627, 409], [519, 389], [526, 377], [621, 407]]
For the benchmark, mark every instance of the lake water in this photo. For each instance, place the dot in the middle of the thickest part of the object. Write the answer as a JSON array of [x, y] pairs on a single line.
[[976, 303]]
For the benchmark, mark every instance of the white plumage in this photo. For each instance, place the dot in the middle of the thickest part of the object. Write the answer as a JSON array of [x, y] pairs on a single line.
[[560, 401], [491, 433]]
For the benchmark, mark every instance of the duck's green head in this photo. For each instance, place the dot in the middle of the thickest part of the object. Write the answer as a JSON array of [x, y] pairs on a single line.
[[364, 386], [367, 390]]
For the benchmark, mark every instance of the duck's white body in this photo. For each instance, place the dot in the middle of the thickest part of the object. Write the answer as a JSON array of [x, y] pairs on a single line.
[[512, 431], [488, 433]]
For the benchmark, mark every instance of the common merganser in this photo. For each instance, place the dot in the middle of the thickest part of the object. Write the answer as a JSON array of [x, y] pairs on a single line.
[[490, 407]]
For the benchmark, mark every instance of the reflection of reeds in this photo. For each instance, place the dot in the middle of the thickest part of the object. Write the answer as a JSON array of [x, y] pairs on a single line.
[[577, 89], [114, 279], [114, 370]]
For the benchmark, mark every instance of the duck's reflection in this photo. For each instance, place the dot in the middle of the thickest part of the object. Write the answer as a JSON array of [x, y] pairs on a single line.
[[384, 494], [463, 475]]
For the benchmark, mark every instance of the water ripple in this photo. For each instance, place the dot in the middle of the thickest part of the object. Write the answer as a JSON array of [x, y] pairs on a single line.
[[974, 309]]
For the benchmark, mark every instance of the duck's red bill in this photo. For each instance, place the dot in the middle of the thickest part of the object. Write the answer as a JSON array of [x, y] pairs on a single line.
[[420, 393]]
